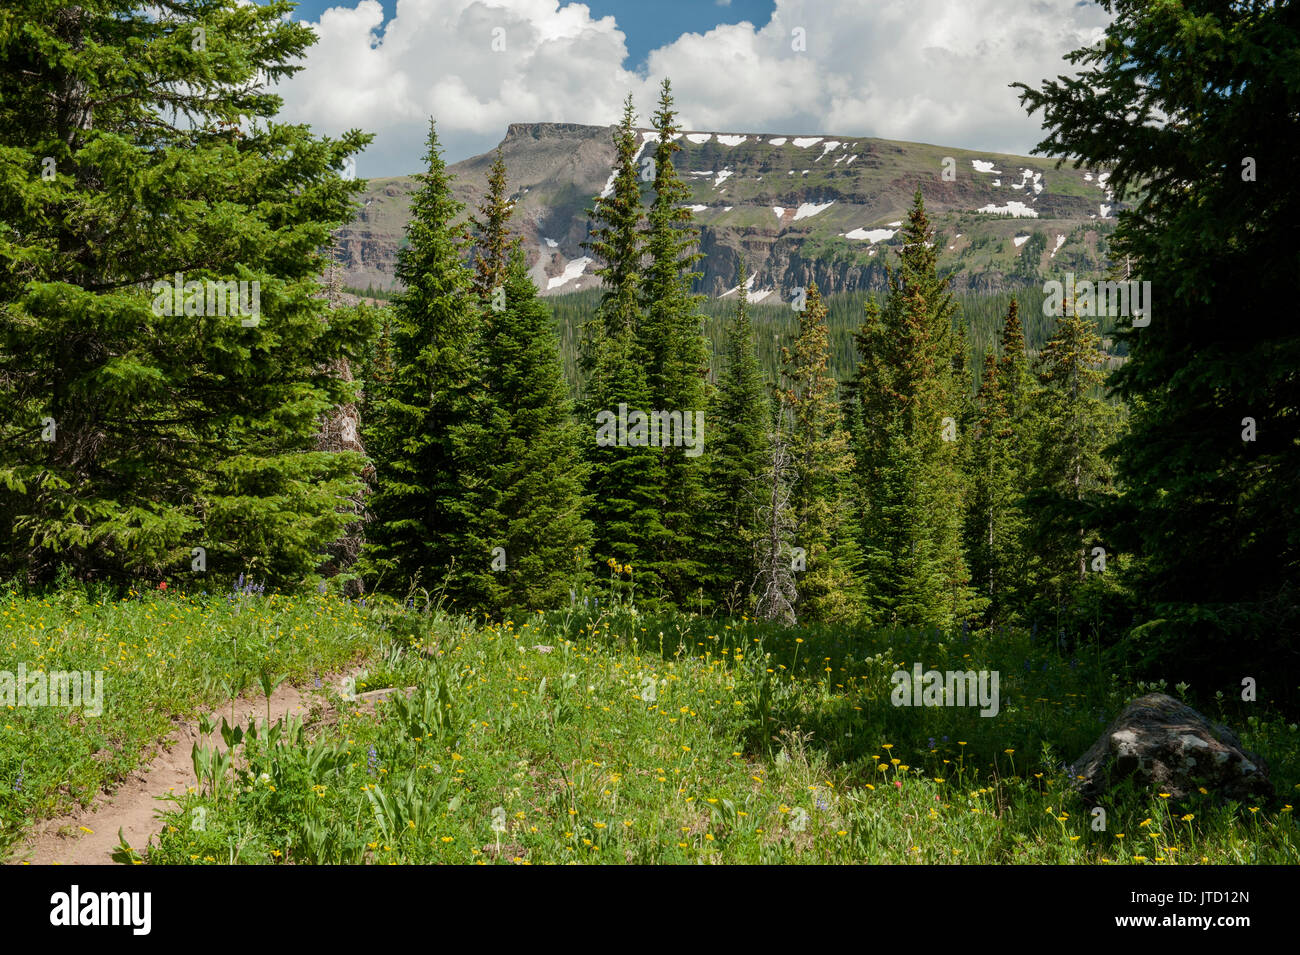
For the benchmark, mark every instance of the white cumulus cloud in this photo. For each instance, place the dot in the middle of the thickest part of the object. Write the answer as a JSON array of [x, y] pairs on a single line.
[[932, 71]]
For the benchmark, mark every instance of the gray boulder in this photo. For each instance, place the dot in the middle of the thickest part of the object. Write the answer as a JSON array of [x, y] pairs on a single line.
[[1165, 746]]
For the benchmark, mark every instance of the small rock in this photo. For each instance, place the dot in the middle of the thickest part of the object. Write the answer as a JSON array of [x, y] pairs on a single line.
[[1166, 746]]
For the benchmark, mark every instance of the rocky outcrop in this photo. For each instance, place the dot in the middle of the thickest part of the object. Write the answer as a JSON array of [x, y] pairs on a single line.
[[1164, 746]]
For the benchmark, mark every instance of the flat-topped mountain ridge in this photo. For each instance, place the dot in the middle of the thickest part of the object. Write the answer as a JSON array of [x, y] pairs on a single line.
[[801, 208]]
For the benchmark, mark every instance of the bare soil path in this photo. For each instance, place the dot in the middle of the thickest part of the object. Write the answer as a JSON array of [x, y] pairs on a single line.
[[90, 836]]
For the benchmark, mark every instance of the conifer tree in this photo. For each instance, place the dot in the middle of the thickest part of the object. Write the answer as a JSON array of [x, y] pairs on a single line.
[[614, 237], [1014, 374], [522, 466], [419, 527], [677, 361], [822, 464], [492, 233], [1195, 103], [1000, 471], [146, 431], [626, 507], [910, 384], [740, 417], [988, 483], [1075, 425], [994, 514], [526, 459]]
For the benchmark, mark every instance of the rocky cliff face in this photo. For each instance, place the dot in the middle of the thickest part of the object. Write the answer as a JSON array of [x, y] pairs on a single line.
[[801, 209]]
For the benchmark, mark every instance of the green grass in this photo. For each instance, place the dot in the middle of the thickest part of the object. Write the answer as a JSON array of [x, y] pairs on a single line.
[[163, 656], [631, 739]]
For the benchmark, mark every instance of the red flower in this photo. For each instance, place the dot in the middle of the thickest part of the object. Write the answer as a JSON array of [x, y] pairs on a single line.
[[162, 585]]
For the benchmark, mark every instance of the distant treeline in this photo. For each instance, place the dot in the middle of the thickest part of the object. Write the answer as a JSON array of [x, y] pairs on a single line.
[[775, 324]]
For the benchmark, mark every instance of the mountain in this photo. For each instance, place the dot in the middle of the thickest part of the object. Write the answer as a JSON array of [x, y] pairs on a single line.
[[800, 207]]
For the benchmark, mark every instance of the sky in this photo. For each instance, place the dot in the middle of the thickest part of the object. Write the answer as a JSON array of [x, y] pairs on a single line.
[[931, 71]]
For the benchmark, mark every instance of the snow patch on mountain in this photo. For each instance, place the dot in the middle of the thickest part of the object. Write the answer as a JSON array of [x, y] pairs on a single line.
[[727, 140], [572, 271], [752, 294], [749, 284], [1019, 240], [1017, 209], [871, 235], [646, 137], [722, 177], [809, 209], [827, 147], [983, 165], [699, 138], [803, 142], [551, 243], [1060, 241], [778, 141]]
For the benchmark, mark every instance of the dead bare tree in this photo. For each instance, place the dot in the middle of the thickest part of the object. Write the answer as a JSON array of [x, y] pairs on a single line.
[[774, 582], [339, 431]]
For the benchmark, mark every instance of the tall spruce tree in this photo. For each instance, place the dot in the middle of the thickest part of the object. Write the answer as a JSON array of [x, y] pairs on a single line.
[[419, 528], [1000, 470], [1075, 424], [677, 358], [822, 464], [626, 506], [912, 392], [740, 417], [523, 466], [146, 430], [1195, 103], [1014, 375], [492, 233], [989, 490]]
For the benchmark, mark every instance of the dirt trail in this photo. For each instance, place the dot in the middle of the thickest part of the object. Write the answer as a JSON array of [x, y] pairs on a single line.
[[134, 805]]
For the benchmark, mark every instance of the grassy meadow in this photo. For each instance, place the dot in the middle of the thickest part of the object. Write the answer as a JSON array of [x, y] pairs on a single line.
[[595, 737]]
